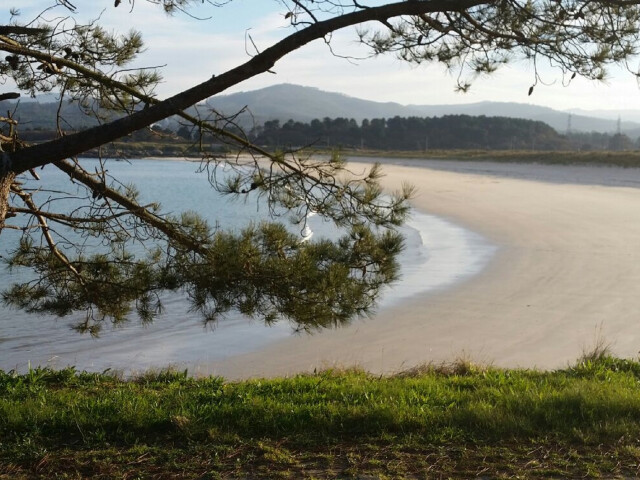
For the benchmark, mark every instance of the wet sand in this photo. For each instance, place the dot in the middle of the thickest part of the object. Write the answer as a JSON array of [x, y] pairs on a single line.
[[566, 276]]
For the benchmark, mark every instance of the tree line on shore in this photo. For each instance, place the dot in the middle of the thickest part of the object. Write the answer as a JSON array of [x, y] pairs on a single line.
[[413, 133], [397, 133], [433, 133]]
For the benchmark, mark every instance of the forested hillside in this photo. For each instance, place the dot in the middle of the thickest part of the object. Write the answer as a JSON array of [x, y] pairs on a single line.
[[36, 123], [303, 104], [414, 133]]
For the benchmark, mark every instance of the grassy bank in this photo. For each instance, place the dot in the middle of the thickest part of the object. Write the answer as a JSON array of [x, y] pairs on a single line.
[[629, 159], [459, 421]]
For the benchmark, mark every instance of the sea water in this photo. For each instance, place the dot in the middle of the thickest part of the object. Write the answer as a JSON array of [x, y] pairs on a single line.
[[438, 254]]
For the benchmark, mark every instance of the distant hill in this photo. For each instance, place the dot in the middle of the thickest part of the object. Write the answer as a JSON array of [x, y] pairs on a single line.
[[624, 115], [414, 133], [285, 101], [559, 120], [40, 113]]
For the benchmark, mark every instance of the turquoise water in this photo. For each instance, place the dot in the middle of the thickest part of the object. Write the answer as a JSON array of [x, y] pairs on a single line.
[[438, 254]]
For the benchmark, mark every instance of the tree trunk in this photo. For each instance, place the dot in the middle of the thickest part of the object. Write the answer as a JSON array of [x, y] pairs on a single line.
[[6, 179]]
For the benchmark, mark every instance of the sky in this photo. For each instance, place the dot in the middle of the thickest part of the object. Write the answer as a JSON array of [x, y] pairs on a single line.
[[190, 50]]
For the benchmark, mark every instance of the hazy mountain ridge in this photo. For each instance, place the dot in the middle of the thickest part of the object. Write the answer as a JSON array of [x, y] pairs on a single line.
[[631, 115], [557, 119], [287, 101], [40, 114]]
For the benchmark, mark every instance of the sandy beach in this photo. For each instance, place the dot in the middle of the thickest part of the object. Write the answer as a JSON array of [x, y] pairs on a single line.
[[566, 276]]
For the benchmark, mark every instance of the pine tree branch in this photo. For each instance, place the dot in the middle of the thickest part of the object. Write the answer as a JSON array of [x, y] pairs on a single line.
[[46, 233], [80, 142], [18, 30], [69, 220], [78, 173], [8, 96]]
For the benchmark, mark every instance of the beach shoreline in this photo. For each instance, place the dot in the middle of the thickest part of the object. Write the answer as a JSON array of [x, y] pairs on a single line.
[[177, 339], [566, 277]]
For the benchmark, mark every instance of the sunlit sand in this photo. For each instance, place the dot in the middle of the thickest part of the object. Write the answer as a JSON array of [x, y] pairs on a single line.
[[566, 276]]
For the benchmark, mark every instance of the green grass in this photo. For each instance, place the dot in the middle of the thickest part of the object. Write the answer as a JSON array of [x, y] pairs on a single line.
[[628, 159], [431, 422]]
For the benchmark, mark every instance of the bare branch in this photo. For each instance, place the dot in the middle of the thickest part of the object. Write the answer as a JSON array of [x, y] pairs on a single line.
[[46, 233], [8, 96], [18, 30]]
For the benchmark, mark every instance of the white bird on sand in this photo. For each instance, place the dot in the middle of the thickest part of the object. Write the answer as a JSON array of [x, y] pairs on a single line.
[[306, 233]]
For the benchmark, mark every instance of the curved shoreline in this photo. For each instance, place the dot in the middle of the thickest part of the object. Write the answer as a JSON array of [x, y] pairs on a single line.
[[567, 276], [179, 341]]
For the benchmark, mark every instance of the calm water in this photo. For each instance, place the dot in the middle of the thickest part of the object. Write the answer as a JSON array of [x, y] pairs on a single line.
[[438, 254]]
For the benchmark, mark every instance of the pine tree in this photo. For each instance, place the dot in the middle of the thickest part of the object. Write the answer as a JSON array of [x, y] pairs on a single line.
[[262, 271]]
